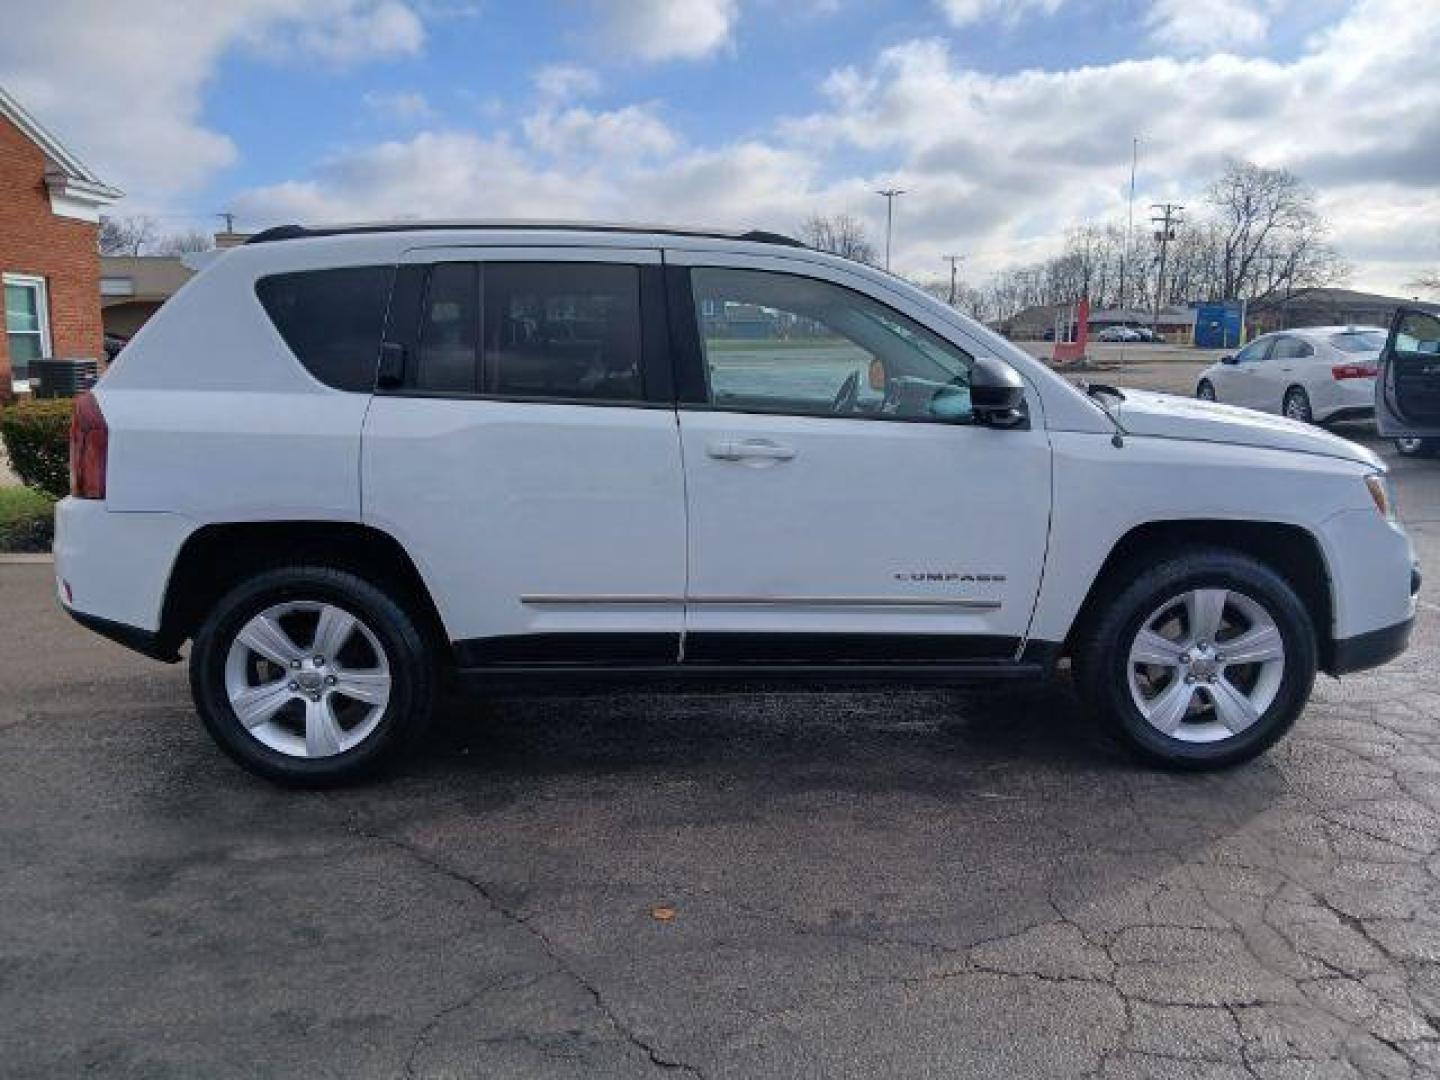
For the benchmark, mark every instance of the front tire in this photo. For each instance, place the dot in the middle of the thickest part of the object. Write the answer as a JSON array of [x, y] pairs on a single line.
[[1297, 405], [311, 676], [1200, 662], [1205, 391]]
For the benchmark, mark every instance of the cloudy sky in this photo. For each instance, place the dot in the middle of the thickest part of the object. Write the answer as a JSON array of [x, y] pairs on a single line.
[[1007, 121]]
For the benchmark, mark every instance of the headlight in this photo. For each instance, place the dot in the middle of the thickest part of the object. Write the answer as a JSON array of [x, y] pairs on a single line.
[[1380, 491]]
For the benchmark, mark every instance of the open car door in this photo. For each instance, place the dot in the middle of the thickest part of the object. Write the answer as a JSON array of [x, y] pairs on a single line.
[[1407, 393]]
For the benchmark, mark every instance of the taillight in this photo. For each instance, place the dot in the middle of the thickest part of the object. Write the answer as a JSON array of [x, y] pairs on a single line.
[[89, 447], [1354, 371]]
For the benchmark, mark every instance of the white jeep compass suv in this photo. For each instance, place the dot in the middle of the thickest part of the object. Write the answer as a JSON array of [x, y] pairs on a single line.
[[344, 462]]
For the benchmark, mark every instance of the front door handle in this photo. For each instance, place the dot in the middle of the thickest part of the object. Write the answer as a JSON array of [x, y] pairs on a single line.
[[753, 449]]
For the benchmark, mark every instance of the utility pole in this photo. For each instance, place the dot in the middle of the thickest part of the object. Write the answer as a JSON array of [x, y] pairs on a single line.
[[890, 195], [227, 216], [954, 261], [1166, 222]]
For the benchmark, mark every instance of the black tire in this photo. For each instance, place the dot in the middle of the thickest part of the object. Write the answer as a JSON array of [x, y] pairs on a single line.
[[1102, 655], [1297, 405], [412, 675], [1418, 447], [1205, 391]]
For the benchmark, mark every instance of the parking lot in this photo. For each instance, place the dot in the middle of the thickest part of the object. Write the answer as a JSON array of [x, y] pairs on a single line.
[[910, 883]]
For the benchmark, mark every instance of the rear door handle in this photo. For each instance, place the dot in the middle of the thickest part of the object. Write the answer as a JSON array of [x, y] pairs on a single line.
[[754, 449]]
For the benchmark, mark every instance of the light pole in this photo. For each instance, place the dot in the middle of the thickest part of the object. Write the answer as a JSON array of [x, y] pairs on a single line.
[[1130, 222], [890, 195]]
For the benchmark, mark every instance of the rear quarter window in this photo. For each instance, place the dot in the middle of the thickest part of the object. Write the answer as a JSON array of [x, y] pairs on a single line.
[[332, 320]]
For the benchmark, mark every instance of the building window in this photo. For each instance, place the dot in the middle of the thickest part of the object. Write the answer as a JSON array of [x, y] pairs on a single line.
[[27, 325]]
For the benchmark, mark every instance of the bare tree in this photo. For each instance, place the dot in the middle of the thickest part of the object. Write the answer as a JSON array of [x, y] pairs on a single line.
[[1271, 236], [182, 243], [840, 234], [126, 235], [140, 235]]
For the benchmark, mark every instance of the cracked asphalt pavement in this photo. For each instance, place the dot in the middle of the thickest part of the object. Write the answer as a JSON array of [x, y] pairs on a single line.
[[895, 883]]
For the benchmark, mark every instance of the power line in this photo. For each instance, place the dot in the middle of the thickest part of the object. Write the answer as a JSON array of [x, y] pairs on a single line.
[[890, 195]]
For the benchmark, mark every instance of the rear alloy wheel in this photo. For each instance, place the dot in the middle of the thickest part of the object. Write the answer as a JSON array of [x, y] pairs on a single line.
[[1202, 661], [311, 676], [1205, 391], [1297, 405]]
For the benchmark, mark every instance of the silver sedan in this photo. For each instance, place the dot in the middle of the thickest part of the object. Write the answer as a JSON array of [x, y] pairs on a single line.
[[1317, 374]]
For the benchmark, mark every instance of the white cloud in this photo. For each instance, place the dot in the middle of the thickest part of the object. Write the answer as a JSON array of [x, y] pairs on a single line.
[[633, 132], [961, 13], [1195, 26], [997, 166], [562, 82], [343, 33], [123, 84], [655, 30], [402, 106]]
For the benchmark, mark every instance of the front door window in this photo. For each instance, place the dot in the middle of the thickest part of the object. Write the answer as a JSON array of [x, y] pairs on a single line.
[[784, 343]]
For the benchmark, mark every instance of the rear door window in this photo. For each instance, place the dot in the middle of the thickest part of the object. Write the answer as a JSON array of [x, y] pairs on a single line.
[[563, 331], [332, 320], [1291, 348]]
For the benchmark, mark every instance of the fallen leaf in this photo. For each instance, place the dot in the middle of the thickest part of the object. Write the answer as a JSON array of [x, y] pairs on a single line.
[[662, 914]]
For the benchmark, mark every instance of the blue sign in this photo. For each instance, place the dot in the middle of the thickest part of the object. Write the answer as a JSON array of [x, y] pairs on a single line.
[[1219, 326]]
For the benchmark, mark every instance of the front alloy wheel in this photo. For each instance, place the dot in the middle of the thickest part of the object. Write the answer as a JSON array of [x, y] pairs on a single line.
[[1199, 660], [1206, 665]]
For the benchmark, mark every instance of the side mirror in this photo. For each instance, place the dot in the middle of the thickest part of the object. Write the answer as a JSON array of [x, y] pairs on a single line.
[[1228, 358], [997, 393]]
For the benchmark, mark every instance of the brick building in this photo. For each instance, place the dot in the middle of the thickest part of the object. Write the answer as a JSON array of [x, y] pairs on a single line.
[[50, 205]]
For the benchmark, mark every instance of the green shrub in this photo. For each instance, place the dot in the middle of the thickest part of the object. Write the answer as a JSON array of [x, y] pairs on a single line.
[[27, 519], [37, 441]]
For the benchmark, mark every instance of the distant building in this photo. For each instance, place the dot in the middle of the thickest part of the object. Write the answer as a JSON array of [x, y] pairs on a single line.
[[132, 288], [1325, 307], [50, 204]]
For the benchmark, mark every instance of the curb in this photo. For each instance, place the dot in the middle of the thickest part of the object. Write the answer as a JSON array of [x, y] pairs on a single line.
[[37, 559]]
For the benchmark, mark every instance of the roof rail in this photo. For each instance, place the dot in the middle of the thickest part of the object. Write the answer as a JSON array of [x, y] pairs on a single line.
[[300, 232]]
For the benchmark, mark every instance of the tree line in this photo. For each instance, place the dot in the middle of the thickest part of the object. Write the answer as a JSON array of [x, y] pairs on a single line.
[[1257, 236], [141, 235]]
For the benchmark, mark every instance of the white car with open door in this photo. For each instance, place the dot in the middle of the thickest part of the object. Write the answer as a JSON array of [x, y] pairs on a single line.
[[343, 462], [1316, 375], [1407, 399]]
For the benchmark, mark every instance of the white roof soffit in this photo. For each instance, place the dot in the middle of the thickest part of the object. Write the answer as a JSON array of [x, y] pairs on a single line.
[[75, 189]]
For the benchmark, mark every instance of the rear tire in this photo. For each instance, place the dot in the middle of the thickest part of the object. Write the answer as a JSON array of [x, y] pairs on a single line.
[[1228, 711], [1297, 405], [331, 674], [1205, 391]]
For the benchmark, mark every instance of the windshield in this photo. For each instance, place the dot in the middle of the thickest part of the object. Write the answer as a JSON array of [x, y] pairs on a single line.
[[1359, 341]]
